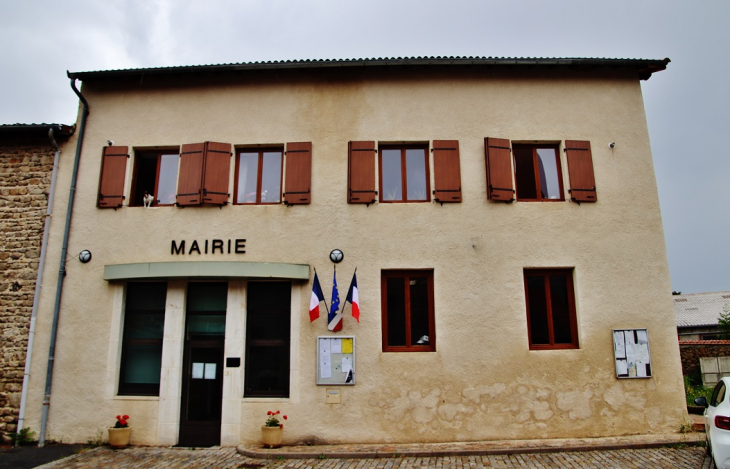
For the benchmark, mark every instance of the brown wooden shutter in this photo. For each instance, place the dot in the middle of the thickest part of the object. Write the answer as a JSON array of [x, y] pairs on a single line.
[[580, 171], [298, 171], [190, 178], [217, 169], [447, 174], [111, 182], [499, 169], [361, 173]]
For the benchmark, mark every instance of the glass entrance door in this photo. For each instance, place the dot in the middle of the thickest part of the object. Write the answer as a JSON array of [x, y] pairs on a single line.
[[202, 386]]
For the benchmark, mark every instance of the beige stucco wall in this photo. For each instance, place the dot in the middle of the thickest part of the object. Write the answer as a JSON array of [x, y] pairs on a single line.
[[482, 382]]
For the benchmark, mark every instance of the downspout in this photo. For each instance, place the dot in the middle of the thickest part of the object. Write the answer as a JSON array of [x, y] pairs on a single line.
[[38, 281], [62, 266]]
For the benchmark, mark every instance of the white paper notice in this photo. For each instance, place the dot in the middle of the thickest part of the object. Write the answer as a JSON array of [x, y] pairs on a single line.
[[619, 345], [335, 345], [198, 370], [642, 353], [346, 364], [642, 337], [622, 367], [325, 361], [641, 370], [210, 371]]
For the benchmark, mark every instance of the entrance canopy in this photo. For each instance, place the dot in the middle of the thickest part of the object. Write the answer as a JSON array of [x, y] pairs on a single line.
[[205, 269]]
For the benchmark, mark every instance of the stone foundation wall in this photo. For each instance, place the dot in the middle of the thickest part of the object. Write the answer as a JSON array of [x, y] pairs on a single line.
[[25, 179]]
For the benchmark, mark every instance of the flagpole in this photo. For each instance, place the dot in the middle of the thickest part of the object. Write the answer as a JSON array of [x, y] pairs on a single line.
[[323, 297]]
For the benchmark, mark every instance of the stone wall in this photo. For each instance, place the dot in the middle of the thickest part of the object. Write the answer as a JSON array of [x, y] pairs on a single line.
[[692, 351], [25, 179]]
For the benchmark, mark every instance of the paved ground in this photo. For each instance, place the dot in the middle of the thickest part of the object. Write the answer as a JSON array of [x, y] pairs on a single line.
[[26, 457], [173, 458]]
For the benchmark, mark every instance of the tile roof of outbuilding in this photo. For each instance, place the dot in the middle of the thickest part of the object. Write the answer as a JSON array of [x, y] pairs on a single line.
[[700, 309], [644, 67]]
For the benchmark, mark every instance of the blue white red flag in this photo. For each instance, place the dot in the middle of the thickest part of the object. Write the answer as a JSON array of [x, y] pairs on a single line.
[[354, 298], [335, 317], [317, 297]]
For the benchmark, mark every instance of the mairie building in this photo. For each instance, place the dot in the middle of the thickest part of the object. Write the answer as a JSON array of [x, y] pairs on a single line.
[[500, 216]]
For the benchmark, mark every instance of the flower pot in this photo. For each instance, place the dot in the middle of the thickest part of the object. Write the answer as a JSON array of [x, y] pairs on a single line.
[[119, 437], [271, 436]]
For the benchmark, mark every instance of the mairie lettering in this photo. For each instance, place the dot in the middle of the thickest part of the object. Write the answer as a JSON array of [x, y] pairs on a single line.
[[208, 246]]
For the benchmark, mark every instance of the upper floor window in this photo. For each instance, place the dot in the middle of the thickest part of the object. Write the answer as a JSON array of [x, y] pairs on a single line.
[[258, 176], [537, 172], [155, 173], [404, 175], [408, 311], [551, 320]]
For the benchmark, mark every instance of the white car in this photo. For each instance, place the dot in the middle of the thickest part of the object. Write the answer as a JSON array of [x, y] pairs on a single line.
[[717, 423]]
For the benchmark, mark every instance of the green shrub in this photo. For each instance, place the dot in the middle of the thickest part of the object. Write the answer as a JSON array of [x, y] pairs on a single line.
[[23, 437], [693, 392]]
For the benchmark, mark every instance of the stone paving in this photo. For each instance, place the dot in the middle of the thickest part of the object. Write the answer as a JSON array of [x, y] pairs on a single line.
[[681, 456]]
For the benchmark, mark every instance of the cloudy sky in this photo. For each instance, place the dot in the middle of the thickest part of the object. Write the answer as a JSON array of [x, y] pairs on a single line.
[[686, 105]]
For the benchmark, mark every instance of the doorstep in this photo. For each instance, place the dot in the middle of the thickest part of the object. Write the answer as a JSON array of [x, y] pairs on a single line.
[[470, 448]]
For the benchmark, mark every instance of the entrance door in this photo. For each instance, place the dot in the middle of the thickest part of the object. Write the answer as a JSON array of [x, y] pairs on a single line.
[[202, 383]]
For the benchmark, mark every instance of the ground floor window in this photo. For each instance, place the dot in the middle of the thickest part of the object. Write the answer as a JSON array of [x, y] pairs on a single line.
[[268, 322], [144, 320], [408, 312], [551, 320]]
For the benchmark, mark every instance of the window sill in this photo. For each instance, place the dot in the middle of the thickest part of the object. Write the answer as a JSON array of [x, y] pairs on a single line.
[[266, 399], [137, 398]]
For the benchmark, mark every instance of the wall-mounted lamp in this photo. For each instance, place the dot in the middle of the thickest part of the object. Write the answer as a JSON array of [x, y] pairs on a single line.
[[336, 256], [85, 256], [612, 145]]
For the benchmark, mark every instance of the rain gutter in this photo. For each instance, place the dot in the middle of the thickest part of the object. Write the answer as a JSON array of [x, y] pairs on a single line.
[[62, 266]]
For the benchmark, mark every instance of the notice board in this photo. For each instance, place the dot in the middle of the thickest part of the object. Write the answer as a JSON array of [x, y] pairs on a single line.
[[336, 361], [631, 353]]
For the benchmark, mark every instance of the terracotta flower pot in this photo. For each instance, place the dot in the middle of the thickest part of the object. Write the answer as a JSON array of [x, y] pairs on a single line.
[[271, 436], [119, 437]]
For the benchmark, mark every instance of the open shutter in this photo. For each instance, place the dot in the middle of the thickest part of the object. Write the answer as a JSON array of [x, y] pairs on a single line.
[[499, 169], [361, 173], [217, 171], [447, 174], [298, 173], [580, 171], [190, 179], [111, 182]]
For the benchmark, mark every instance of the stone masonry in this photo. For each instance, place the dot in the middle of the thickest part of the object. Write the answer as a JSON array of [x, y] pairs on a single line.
[[26, 165]]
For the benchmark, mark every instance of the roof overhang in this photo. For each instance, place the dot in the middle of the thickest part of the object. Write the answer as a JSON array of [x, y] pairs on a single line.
[[643, 67], [205, 269]]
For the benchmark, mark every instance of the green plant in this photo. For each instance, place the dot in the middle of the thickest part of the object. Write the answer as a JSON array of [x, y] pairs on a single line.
[[273, 420], [322, 456], [23, 437], [97, 440], [692, 392]]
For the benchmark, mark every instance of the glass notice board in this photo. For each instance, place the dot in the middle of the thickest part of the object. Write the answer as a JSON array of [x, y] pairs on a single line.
[[336, 361], [631, 353]]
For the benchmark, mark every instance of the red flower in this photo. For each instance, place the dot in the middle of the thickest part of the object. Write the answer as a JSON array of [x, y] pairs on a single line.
[[282, 425], [123, 422], [119, 417], [268, 413], [285, 417], [277, 412], [125, 417]]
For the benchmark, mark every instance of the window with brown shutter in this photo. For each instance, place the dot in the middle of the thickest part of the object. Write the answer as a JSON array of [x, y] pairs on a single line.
[[407, 309], [447, 174], [361, 173], [298, 173], [190, 179], [499, 169], [155, 175], [216, 171], [111, 181], [580, 171]]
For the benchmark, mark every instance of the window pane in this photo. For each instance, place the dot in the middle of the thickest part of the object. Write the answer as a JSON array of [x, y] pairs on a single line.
[[168, 179], [201, 326], [525, 173], [391, 169], [419, 310], [549, 182], [207, 297], [269, 311], [416, 173], [396, 301], [146, 296], [271, 177], [145, 178], [267, 371], [246, 178], [537, 305], [560, 309], [142, 364], [144, 326]]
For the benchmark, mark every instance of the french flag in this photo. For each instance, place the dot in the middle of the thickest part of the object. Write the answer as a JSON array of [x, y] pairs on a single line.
[[317, 297], [354, 298]]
